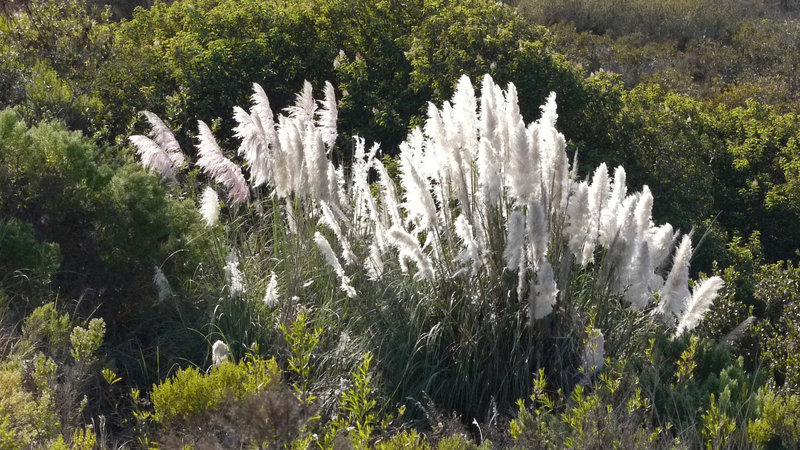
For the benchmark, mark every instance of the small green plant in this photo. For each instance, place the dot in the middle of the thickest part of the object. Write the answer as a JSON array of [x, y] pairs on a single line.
[[86, 341], [357, 415], [302, 342]]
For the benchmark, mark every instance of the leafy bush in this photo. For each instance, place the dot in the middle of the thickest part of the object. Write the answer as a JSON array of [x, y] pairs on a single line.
[[188, 395], [44, 393]]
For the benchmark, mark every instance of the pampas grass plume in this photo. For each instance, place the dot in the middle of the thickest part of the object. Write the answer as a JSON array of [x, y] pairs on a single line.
[[209, 206]]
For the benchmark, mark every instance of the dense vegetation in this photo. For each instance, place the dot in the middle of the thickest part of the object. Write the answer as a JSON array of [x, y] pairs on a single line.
[[271, 279]]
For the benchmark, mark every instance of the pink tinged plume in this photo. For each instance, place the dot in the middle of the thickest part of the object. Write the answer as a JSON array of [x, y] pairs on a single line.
[[327, 116], [162, 136], [702, 298], [220, 168], [675, 292], [154, 158]]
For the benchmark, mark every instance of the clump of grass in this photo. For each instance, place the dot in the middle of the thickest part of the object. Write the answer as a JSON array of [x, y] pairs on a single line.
[[485, 259]]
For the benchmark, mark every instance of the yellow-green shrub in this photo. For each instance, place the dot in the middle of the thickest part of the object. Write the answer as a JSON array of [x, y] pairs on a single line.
[[190, 394]]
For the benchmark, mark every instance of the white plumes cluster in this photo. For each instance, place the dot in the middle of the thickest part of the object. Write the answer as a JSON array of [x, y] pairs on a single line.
[[160, 152], [482, 193], [209, 206], [291, 155], [473, 167]]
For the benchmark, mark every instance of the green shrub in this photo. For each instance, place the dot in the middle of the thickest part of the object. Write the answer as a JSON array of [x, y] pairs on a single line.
[[189, 395], [778, 422]]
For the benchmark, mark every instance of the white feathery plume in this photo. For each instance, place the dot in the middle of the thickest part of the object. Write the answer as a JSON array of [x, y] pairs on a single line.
[[578, 218], [559, 189], [675, 292], [490, 181], [389, 193], [409, 248], [291, 132], [271, 295], [162, 284], [612, 215], [327, 116], [470, 249], [701, 300], [162, 136], [543, 294], [254, 146], [316, 166], [233, 275], [262, 110], [464, 123], [374, 262], [330, 257], [304, 105], [514, 243], [221, 169], [209, 206], [538, 233], [599, 192], [660, 240], [328, 219], [154, 158], [519, 181], [219, 353], [638, 275], [644, 211], [488, 122], [419, 202]]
